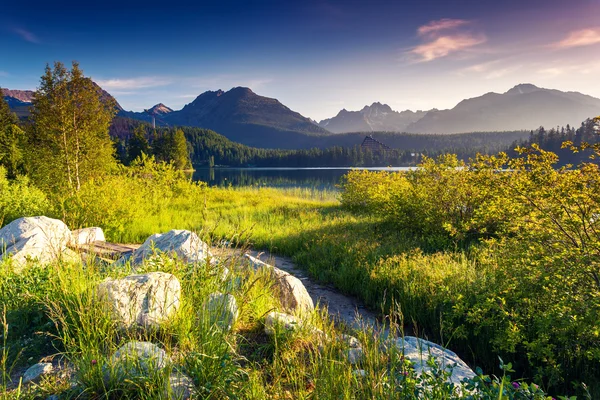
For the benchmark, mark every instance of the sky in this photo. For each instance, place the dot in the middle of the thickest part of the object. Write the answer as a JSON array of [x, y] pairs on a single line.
[[314, 56]]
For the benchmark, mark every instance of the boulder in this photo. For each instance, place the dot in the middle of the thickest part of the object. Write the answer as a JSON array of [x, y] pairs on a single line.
[[350, 341], [354, 355], [185, 245], [181, 387], [222, 310], [359, 373], [136, 359], [36, 371], [145, 300], [418, 352], [280, 322], [291, 291], [86, 236], [37, 238]]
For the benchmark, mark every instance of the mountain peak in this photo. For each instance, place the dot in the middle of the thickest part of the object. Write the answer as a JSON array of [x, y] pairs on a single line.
[[160, 109], [523, 88]]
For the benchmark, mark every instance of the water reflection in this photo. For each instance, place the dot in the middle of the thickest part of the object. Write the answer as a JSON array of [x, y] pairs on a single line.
[[314, 178]]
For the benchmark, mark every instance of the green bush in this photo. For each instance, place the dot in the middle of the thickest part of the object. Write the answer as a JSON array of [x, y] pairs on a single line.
[[18, 198]]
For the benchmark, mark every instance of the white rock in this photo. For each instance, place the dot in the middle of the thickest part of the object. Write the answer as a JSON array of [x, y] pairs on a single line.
[[359, 373], [222, 310], [86, 236], [36, 371], [138, 359], [37, 238], [145, 300], [280, 322], [186, 245], [291, 291], [418, 352], [351, 341], [181, 387], [354, 355]]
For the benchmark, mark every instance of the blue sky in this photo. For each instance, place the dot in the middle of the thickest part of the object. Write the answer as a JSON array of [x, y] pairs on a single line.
[[316, 57]]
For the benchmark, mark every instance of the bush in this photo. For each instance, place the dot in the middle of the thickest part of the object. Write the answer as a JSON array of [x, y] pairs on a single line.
[[18, 198]]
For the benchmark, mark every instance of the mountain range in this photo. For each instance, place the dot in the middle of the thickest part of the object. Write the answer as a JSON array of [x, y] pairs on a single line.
[[248, 118], [374, 118]]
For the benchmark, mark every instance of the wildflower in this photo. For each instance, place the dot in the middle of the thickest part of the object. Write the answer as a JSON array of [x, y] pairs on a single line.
[[516, 385], [94, 362]]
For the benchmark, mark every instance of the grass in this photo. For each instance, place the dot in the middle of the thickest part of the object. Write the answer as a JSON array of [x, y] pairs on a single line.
[[242, 363]]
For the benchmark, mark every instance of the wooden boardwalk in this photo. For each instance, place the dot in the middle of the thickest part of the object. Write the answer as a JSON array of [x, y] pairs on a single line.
[[106, 250]]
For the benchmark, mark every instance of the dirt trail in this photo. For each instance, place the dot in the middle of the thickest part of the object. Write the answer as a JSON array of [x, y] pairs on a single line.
[[341, 308]]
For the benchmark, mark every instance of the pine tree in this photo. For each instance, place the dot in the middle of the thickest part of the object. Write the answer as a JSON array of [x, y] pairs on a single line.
[[138, 144], [180, 155], [70, 141], [7, 117], [12, 150]]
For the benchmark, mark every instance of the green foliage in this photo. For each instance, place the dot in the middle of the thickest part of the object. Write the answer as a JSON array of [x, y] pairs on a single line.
[[69, 143], [137, 144], [132, 194], [12, 150], [18, 198]]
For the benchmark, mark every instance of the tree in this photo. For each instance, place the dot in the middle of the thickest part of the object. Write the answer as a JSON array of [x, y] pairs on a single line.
[[7, 117], [12, 153], [138, 144], [70, 142], [11, 141], [180, 153]]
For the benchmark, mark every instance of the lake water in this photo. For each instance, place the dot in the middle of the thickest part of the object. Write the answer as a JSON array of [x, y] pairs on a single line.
[[316, 178]]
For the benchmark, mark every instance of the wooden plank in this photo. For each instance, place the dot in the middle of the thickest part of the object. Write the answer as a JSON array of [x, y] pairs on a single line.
[[105, 249]]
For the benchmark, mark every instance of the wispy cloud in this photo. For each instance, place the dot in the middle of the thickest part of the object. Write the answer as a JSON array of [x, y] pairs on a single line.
[[26, 35], [583, 37], [4, 73], [142, 82], [491, 69], [444, 37], [440, 25]]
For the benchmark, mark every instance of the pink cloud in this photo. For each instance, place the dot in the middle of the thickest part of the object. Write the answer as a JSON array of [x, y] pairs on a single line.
[[440, 25], [444, 37], [583, 37], [445, 45], [26, 35]]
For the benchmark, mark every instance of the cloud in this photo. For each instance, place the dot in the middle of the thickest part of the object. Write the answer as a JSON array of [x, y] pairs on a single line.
[[4, 73], [133, 83], [440, 25], [445, 45], [26, 35], [583, 37], [444, 37]]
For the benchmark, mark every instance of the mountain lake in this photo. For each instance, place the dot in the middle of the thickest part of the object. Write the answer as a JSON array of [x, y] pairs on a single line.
[[320, 178]]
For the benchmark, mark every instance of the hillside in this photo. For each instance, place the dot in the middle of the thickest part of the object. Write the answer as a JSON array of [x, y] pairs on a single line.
[[524, 106], [373, 118]]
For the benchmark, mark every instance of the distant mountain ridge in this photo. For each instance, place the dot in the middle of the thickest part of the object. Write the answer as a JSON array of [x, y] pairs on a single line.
[[374, 118], [524, 107], [248, 118]]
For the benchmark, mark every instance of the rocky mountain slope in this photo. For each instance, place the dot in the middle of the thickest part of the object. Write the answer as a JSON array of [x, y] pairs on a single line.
[[374, 118]]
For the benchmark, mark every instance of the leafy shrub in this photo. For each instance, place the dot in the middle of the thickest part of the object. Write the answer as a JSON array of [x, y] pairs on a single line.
[[18, 198]]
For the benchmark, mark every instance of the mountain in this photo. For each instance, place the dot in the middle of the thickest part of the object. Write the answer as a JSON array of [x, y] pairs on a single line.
[[525, 107], [160, 109], [245, 117], [376, 117], [19, 101]]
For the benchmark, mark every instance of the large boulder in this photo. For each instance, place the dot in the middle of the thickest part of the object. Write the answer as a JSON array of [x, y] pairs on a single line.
[[418, 352], [180, 387], [291, 291], [145, 300], [35, 238], [185, 245], [85, 236], [135, 359], [222, 310], [36, 371]]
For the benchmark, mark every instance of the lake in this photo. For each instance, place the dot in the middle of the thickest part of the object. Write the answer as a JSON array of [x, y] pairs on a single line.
[[324, 178]]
